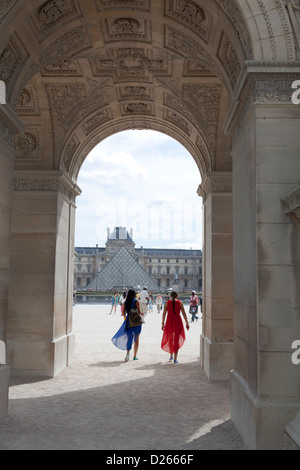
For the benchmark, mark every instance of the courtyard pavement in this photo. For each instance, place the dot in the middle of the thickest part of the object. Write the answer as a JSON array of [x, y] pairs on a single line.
[[102, 403]]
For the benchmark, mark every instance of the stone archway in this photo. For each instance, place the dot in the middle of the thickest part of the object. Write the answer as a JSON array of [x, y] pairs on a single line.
[[213, 75]]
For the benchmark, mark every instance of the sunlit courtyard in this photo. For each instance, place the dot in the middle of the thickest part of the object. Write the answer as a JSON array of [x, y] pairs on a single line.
[[102, 403]]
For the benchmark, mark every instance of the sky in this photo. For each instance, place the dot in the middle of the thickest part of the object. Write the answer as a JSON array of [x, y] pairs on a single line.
[[144, 181]]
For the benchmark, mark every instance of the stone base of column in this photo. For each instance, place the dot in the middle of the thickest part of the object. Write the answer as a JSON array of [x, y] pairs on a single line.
[[259, 421], [216, 358], [40, 358], [4, 383]]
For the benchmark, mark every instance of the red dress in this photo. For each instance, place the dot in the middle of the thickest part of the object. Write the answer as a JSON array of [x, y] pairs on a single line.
[[174, 334]]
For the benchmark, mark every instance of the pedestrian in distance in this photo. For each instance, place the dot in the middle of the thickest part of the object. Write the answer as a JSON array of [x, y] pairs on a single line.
[[194, 306], [127, 336], [173, 329], [143, 300]]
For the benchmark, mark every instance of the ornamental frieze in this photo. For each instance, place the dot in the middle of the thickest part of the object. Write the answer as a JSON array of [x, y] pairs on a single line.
[[64, 68], [66, 46], [112, 4]]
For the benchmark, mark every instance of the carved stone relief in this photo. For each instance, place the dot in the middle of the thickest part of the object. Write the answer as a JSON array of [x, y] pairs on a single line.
[[5, 6], [183, 45], [204, 102], [293, 8], [12, 58], [64, 68], [229, 59], [130, 63], [131, 92], [52, 13], [193, 68], [178, 120], [97, 120], [137, 108], [233, 13], [191, 14], [27, 145], [120, 29], [112, 4], [66, 46], [27, 104]]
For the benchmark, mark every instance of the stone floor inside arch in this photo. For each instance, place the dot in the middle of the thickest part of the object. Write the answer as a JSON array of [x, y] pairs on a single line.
[[103, 403]]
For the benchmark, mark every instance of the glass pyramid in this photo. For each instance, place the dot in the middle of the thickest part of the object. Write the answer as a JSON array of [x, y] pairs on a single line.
[[122, 272]]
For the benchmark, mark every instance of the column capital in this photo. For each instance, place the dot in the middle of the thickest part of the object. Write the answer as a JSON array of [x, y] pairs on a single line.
[[46, 181], [215, 182], [260, 84]]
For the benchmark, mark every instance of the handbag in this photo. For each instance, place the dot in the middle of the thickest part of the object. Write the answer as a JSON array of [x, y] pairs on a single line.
[[134, 318], [193, 309]]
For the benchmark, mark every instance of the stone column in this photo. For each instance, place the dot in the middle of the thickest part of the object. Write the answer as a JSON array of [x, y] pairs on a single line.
[[9, 126], [265, 386], [39, 334], [217, 335]]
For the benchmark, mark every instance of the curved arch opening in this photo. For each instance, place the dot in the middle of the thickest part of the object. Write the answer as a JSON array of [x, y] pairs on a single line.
[[146, 183]]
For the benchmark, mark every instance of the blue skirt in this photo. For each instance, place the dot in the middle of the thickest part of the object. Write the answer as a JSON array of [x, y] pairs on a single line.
[[126, 337]]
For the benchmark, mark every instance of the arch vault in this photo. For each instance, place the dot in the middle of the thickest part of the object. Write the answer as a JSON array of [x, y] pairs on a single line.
[[215, 75]]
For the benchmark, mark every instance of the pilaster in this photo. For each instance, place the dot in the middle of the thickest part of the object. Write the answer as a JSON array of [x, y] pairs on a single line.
[[39, 336], [217, 334], [264, 124]]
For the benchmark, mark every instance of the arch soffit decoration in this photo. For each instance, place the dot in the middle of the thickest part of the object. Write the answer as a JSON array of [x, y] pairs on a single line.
[[193, 62]]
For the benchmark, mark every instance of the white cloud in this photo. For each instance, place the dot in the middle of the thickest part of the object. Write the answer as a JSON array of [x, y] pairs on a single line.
[[142, 180]]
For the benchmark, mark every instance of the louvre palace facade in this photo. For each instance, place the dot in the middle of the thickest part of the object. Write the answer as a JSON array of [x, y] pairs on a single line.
[[120, 265]]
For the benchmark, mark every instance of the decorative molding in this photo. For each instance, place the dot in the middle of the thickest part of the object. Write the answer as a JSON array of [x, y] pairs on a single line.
[[130, 64], [46, 181], [260, 83], [66, 46], [27, 145], [229, 59], [12, 59], [136, 108], [64, 68], [215, 182], [120, 29], [235, 17], [97, 120], [27, 104], [135, 92], [192, 15], [178, 121], [103, 5]]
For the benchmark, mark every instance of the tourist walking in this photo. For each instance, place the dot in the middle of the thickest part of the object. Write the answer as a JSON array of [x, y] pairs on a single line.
[[159, 303], [128, 336], [194, 306], [143, 300], [173, 330], [114, 302]]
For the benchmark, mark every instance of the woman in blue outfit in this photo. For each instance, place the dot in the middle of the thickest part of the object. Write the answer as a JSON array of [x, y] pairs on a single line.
[[126, 337]]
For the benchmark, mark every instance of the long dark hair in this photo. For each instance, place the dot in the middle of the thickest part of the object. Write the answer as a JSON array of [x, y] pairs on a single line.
[[174, 296], [131, 295]]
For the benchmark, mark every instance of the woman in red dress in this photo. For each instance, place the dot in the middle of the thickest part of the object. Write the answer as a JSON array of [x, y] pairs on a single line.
[[173, 330]]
